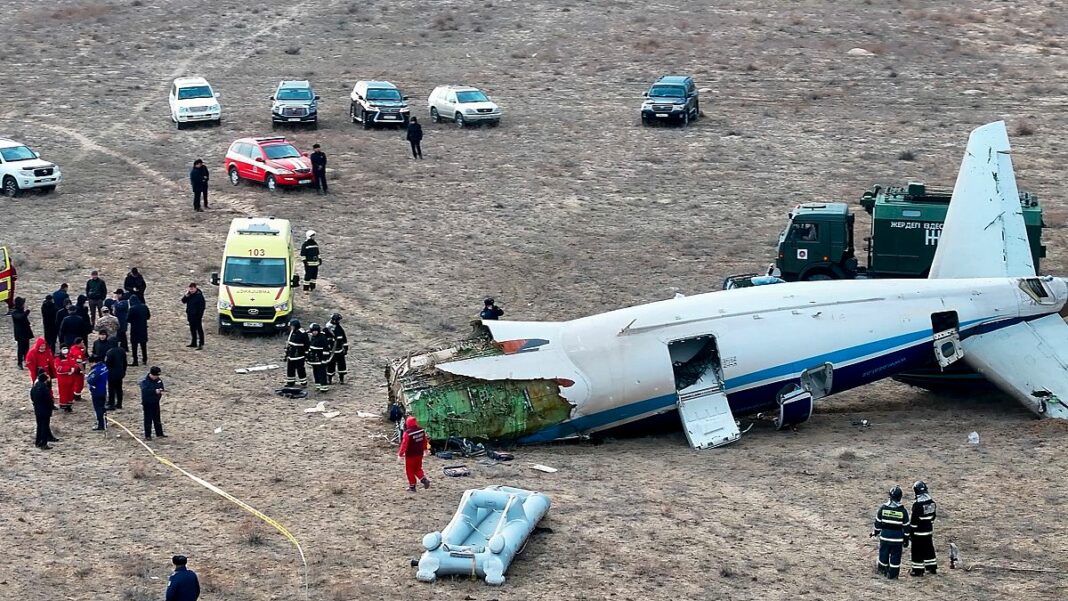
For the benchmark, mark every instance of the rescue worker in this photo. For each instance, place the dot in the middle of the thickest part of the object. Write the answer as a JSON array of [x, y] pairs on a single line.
[[318, 161], [490, 310], [295, 353], [183, 584], [135, 284], [414, 136], [198, 178], [40, 357], [319, 348], [152, 390], [309, 251], [891, 525], [338, 365], [48, 321], [414, 444], [109, 323], [98, 388], [194, 314], [65, 369], [20, 323], [78, 354], [95, 292], [137, 321], [41, 396], [115, 360], [922, 531]]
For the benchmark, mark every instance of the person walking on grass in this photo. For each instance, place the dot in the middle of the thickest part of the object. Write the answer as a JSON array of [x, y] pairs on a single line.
[[414, 445], [415, 137]]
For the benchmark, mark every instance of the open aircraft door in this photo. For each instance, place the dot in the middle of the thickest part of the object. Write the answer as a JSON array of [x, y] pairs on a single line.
[[947, 347], [703, 408], [7, 277]]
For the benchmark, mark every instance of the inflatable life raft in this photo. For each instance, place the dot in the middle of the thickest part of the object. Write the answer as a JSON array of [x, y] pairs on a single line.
[[488, 530]]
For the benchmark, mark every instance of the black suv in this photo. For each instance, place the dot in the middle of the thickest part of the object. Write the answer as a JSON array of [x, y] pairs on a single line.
[[671, 98]]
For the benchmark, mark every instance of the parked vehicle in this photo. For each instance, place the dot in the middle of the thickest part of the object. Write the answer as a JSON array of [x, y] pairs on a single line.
[[23, 169], [671, 98], [378, 102], [193, 101], [463, 105], [8, 276], [256, 279], [273, 162], [295, 102]]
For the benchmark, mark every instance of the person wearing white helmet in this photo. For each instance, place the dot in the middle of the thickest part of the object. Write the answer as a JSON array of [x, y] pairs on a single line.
[[309, 252]]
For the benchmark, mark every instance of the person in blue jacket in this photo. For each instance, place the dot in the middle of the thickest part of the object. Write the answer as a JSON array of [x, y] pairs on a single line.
[[98, 387], [184, 584]]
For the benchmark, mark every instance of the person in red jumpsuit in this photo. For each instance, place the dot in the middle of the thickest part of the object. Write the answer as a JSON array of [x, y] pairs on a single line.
[[40, 357], [414, 444], [66, 370], [77, 352]]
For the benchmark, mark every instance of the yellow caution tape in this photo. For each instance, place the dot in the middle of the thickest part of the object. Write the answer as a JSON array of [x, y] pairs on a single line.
[[222, 493]]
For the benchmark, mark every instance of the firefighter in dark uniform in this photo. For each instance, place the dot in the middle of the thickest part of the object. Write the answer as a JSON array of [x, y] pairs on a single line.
[[320, 347], [318, 161], [296, 349], [309, 252], [490, 310], [922, 531], [337, 365], [892, 526]]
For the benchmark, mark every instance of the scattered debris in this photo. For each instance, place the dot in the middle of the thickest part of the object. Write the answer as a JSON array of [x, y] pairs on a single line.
[[318, 408], [248, 370], [973, 438], [501, 456], [954, 556], [971, 92], [543, 468], [456, 471], [366, 414], [218, 430], [443, 455], [330, 414], [860, 52], [292, 392], [465, 447], [862, 423]]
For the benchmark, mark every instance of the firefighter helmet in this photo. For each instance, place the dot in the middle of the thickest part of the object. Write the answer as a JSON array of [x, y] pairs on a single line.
[[895, 494], [336, 317], [294, 323], [314, 327], [920, 487]]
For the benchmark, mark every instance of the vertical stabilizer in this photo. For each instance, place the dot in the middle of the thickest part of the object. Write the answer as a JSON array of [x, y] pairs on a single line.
[[984, 234]]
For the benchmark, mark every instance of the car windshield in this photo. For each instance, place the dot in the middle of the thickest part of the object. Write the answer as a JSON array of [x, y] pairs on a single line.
[[17, 153], [242, 271], [281, 151], [383, 94], [293, 94], [667, 92], [471, 96], [195, 92]]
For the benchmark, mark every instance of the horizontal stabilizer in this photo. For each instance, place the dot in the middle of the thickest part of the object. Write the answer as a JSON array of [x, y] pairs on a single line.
[[1027, 360], [984, 233]]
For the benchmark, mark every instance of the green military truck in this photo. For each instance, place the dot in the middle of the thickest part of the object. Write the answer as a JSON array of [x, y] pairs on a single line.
[[906, 222]]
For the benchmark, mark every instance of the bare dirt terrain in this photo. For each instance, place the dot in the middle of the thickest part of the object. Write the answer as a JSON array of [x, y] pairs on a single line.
[[567, 209]]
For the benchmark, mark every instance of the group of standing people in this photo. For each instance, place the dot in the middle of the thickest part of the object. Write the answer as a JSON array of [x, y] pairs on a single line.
[[896, 527], [324, 349]]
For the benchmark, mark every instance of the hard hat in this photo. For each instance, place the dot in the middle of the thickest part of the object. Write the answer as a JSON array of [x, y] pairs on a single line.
[[294, 323], [336, 317], [488, 301], [895, 493], [314, 327], [309, 233], [920, 487]]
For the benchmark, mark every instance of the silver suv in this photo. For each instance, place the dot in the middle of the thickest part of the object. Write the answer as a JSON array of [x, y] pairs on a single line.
[[295, 102], [377, 102]]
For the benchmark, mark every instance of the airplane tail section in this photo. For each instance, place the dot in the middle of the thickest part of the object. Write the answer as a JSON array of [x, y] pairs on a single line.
[[984, 233]]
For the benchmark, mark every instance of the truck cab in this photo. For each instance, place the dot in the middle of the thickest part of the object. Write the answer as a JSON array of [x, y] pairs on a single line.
[[256, 280], [817, 243]]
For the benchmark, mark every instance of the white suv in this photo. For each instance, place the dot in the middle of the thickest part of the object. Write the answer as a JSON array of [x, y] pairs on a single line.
[[463, 105], [193, 101], [22, 169]]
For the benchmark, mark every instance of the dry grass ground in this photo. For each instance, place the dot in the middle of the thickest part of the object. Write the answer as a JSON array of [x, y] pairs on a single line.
[[568, 208]]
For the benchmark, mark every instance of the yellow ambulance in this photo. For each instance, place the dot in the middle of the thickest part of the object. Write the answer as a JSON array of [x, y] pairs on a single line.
[[257, 279], [7, 278]]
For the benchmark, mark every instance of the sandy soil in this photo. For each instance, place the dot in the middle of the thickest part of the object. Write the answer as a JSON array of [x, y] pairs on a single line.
[[568, 208]]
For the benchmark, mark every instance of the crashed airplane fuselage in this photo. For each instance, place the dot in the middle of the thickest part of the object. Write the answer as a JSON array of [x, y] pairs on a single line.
[[768, 348]]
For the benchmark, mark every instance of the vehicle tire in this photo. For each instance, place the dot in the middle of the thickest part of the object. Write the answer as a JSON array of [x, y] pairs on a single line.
[[274, 125], [645, 121], [46, 189], [459, 119], [686, 118], [315, 124], [818, 276], [271, 184], [494, 123], [178, 124], [223, 330], [352, 113], [11, 187], [366, 121], [434, 116], [235, 177]]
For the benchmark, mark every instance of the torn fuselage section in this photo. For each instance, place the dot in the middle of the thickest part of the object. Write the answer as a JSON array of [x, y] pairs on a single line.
[[451, 404]]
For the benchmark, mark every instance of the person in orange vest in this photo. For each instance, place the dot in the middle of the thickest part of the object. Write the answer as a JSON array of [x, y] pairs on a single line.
[[77, 352], [414, 444], [66, 368]]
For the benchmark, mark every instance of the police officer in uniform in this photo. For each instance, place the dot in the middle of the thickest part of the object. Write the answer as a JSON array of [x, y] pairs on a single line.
[[318, 161], [891, 525], [337, 365], [922, 531], [309, 251], [296, 349], [490, 310], [320, 347]]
